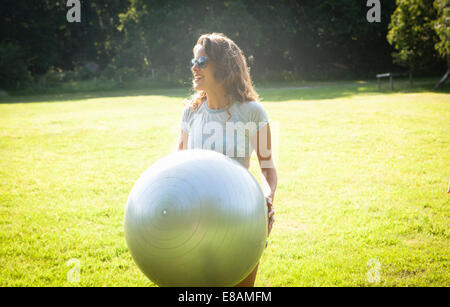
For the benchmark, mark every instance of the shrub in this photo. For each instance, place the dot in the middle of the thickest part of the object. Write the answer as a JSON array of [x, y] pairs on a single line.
[[13, 65]]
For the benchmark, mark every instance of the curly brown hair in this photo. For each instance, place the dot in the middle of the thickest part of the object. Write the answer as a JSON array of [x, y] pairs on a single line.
[[231, 70]]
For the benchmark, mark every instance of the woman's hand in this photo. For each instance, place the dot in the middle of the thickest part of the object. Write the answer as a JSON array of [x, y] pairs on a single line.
[[270, 214]]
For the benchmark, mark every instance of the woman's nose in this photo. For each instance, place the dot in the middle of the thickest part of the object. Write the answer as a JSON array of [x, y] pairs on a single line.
[[195, 68]]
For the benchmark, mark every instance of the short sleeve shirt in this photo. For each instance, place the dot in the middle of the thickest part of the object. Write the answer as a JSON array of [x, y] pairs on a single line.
[[226, 131]]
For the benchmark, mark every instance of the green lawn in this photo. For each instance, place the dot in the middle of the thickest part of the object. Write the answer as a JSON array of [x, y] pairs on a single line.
[[361, 200]]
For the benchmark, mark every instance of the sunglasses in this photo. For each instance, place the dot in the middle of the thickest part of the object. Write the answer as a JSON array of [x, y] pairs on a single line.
[[201, 62]]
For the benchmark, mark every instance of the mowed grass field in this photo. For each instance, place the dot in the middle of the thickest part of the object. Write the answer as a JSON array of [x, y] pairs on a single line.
[[361, 199]]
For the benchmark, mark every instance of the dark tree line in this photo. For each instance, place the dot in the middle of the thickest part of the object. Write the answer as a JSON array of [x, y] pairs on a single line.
[[35, 37], [282, 39]]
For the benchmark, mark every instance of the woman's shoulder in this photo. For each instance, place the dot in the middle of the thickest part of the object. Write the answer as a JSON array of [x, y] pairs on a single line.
[[252, 104], [187, 116], [189, 108], [253, 108]]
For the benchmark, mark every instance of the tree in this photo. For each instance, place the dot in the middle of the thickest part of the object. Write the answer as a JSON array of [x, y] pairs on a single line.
[[13, 65], [31, 25], [44, 39], [282, 39], [336, 36], [412, 33], [442, 28], [162, 34], [308, 39]]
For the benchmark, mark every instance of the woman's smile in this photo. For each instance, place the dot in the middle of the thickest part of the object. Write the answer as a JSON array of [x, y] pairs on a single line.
[[197, 77]]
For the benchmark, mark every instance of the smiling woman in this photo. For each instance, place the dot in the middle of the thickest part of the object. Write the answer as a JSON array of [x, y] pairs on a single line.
[[221, 67], [224, 113]]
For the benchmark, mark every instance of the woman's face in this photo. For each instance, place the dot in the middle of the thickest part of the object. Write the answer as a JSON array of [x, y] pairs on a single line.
[[203, 77]]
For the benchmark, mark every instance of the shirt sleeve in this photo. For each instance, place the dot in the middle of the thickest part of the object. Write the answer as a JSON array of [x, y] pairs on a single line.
[[185, 118], [258, 115]]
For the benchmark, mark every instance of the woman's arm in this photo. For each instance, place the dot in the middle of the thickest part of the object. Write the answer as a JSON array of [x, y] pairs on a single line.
[[262, 141], [182, 140]]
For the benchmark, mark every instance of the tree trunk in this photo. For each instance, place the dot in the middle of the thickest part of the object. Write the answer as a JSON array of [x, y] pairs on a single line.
[[442, 81], [445, 77]]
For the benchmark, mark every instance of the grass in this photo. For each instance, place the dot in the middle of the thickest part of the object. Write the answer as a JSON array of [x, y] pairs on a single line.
[[361, 198]]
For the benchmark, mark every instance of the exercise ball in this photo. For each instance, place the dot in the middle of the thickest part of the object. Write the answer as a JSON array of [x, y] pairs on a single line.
[[196, 218]]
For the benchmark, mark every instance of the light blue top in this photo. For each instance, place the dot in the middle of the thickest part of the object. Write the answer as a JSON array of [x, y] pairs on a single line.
[[214, 129]]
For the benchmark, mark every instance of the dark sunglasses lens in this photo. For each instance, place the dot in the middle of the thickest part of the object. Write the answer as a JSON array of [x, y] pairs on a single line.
[[202, 62]]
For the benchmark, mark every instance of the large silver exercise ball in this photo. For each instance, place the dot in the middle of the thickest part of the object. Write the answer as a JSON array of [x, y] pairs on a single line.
[[196, 218]]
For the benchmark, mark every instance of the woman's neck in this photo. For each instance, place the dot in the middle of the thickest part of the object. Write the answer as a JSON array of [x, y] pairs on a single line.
[[216, 98]]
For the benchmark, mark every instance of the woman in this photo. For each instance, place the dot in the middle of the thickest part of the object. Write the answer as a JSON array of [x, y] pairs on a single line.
[[224, 114]]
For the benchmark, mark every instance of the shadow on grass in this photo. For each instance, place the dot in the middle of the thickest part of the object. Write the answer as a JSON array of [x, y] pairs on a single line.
[[168, 92], [272, 92]]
